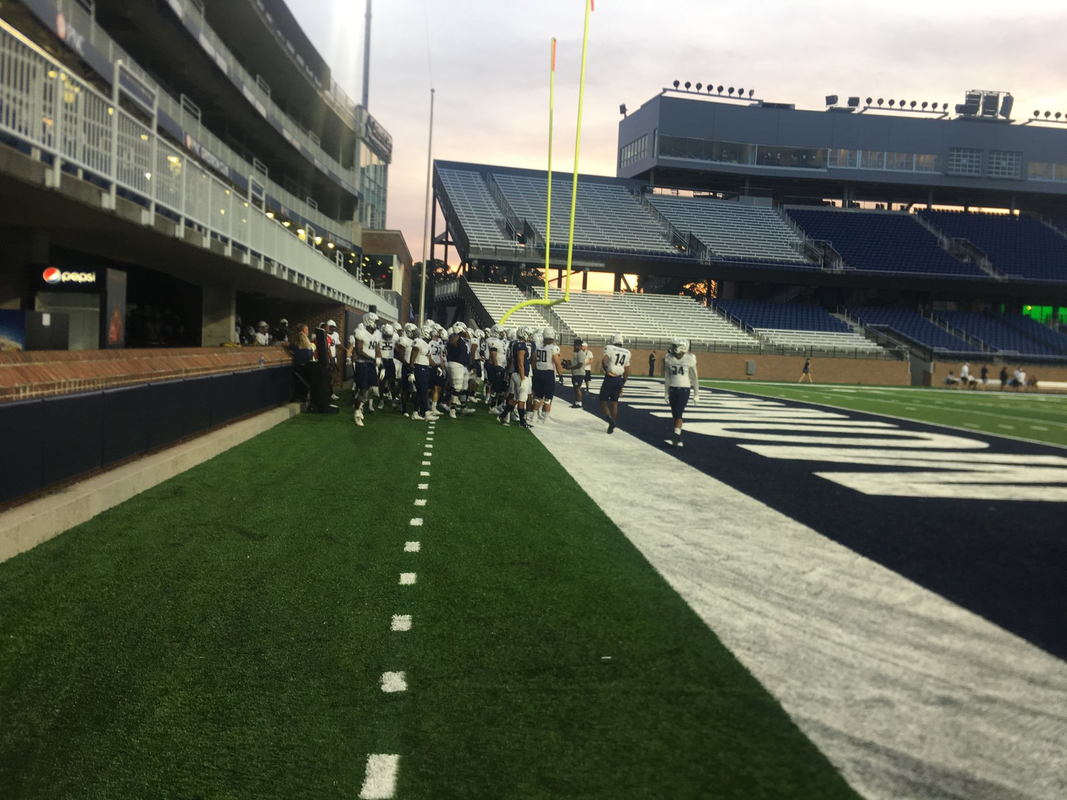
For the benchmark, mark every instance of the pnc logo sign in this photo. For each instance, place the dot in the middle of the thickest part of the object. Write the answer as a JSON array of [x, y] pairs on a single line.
[[53, 276]]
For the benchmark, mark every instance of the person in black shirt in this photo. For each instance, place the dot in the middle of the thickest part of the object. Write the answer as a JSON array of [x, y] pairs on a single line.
[[652, 364]]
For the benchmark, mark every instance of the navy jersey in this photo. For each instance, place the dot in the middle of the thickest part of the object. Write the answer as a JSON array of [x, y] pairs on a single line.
[[516, 348], [459, 352]]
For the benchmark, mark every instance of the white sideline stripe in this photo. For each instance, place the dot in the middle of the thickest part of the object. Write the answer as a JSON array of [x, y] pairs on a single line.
[[420, 501], [892, 682], [427, 454], [423, 486], [429, 447], [379, 781], [426, 463], [401, 622], [424, 474], [407, 578], [1038, 428], [416, 522], [429, 438], [394, 682], [412, 547]]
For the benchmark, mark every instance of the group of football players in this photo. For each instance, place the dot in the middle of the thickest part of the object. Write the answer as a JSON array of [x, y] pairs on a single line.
[[514, 371]]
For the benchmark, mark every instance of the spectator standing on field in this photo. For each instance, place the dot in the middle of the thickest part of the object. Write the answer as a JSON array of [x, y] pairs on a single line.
[[807, 372], [1003, 378], [985, 375], [652, 364]]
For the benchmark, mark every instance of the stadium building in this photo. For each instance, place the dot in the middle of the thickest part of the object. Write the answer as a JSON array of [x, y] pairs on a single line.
[[194, 162], [909, 233]]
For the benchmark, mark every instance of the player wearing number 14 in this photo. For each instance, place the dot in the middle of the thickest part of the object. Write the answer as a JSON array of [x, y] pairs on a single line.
[[679, 381], [616, 366]]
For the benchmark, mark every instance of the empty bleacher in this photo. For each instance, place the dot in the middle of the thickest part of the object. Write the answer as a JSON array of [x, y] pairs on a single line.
[[995, 331], [913, 326], [647, 318], [499, 298], [882, 242], [734, 231], [1019, 247], [478, 213], [796, 325], [607, 216], [1036, 331]]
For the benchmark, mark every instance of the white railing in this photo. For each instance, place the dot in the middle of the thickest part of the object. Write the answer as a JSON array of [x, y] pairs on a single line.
[[69, 123], [82, 21]]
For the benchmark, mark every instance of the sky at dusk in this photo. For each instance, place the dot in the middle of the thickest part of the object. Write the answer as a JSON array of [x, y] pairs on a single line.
[[490, 61]]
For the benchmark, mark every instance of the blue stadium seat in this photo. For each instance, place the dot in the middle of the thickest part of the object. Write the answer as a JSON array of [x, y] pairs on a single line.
[[911, 325], [997, 332], [882, 242], [783, 316], [1020, 247]]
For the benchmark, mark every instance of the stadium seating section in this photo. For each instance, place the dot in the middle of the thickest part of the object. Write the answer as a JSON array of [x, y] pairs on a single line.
[[478, 213], [1020, 247], [882, 242], [734, 231], [1008, 334], [797, 325], [608, 216], [499, 298], [911, 325]]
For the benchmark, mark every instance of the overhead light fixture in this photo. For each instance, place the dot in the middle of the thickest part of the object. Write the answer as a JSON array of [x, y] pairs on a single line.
[[687, 85], [853, 102], [300, 232], [731, 90], [622, 109], [677, 84], [287, 223], [330, 245], [892, 103], [700, 86], [751, 92], [740, 92], [720, 88], [270, 215], [710, 88], [831, 99], [880, 101], [318, 240]]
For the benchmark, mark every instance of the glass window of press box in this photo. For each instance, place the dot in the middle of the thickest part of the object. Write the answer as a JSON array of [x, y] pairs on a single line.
[[373, 185], [739, 153]]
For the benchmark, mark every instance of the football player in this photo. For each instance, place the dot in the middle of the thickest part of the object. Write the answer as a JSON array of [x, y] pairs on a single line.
[[580, 362], [419, 362], [402, 351], [387, 375], [616, 366], [495, 367], [679, 380], [547, 367], [364, 352], [520, 382], [458, 352]]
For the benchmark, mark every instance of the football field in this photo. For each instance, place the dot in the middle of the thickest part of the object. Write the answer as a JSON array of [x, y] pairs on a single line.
[[466, 610]]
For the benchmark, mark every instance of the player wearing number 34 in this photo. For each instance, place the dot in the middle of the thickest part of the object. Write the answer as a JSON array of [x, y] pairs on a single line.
[[679, 381]]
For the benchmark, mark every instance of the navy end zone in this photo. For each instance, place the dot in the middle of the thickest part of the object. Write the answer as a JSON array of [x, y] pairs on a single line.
[[977, 519]]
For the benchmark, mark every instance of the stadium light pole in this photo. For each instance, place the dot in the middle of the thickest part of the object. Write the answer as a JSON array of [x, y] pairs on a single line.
[[426, 223]]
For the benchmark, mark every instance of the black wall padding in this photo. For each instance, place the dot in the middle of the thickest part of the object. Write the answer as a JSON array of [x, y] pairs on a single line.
[[71, 436], [126, 421], [53, 439], [21, 424]]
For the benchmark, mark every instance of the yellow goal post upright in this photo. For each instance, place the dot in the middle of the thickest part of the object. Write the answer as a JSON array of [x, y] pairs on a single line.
[[574, 182]]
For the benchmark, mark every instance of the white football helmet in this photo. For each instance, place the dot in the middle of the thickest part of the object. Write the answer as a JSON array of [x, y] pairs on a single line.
[[497, 330], [427, 332], [411, 330], [617, 340], [525, 334], [513, 333], [388, 331], [370, 320], [548, 334], [680, 347]]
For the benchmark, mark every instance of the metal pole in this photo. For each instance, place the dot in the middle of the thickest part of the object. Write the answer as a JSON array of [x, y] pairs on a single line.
[[426, 224], [366, 58]]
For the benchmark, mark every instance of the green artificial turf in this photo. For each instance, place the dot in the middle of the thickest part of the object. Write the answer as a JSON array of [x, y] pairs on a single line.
[[223, 636], [1039, 417]]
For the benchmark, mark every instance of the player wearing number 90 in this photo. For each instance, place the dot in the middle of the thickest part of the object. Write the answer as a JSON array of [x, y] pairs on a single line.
[[679, 379], [616, 365], [547, 366]]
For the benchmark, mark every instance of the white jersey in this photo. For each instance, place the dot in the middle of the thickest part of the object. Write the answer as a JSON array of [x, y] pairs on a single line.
[[421, 348], [501, 348], [965, 373], [334, 339], [403, 343], [262, 338], [618, 359], [367, 341], [544, 357], [680, 373], [386, 346], [437, 352], [580, 361]]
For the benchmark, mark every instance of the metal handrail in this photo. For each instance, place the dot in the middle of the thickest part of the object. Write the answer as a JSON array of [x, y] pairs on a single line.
[[75, 127]]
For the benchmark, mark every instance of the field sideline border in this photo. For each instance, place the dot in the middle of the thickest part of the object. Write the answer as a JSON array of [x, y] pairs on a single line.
[[710, 381]]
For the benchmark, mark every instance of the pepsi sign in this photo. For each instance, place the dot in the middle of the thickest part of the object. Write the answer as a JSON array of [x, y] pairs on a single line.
[[53, 276]]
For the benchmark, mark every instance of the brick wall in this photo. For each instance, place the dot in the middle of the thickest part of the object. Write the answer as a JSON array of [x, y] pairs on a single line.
[[1041, 371], [25, 375], [733, 366]]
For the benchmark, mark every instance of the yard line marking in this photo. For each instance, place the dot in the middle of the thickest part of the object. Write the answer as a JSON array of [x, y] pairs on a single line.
[[971, 424], [412, 547], [429, 438], [426, 463], [416, 521], [420, 501], [1007, 427], [394, 682], [407, 578], [427, 454], [379, 782], [429, 447], [401, 622], [424, 474], [1038, 428], [424, 486]]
